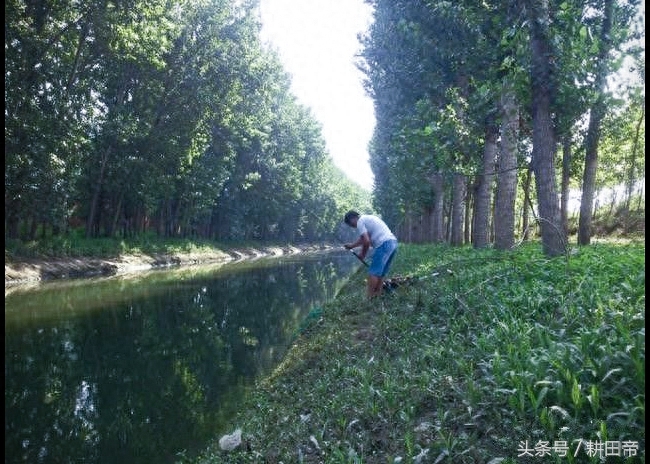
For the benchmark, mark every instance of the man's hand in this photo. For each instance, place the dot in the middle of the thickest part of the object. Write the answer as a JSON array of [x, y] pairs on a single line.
[[348, 246]]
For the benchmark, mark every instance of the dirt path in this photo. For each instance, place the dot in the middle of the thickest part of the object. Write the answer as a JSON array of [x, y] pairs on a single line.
[[34, 270]]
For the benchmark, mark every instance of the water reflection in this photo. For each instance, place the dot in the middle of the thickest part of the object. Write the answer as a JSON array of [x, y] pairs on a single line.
[[137, 370]]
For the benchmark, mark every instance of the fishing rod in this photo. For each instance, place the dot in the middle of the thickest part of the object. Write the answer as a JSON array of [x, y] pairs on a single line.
[[351, 250], [359, 258]]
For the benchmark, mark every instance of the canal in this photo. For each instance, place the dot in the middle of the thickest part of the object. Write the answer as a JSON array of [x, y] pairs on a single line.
[[140, 369]]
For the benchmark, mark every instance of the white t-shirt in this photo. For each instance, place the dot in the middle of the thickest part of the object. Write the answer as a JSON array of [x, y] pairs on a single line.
[[377, 229]]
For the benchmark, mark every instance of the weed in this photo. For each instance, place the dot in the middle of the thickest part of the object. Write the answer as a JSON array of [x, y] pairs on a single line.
[[486, 351]]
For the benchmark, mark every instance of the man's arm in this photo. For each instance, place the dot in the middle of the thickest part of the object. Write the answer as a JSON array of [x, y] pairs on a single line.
[[363, 241], [365, 245]]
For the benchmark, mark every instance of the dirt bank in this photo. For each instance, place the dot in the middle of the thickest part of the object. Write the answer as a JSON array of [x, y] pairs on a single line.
[[34, 270]]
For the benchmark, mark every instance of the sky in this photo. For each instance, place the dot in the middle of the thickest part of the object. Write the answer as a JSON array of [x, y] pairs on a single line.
[[317, 43]]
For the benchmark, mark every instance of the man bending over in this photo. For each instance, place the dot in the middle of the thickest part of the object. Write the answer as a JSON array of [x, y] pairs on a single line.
[[373, 232]]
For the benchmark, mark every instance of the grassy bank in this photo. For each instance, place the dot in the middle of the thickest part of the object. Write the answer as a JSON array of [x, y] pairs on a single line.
[[75, 256], [489, 357], [76, 245]]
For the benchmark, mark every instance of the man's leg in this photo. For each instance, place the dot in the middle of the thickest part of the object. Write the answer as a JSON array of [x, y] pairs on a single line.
[[375, 284], [381, 261]]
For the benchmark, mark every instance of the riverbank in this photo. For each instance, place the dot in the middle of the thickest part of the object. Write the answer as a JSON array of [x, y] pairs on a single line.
[[19, 270], [477, 359]]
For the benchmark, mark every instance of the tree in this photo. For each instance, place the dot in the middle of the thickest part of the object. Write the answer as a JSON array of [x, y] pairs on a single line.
[[613, 31], [504, 204], [484, 188], [544, 139]]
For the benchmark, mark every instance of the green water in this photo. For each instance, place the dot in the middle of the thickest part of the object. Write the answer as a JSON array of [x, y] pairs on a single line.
[[140, 369]]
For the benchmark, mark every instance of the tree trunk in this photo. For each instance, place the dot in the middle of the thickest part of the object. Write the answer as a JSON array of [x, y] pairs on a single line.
[[116, 217], [91, 229], [525, 223], [11, 222], [33, 229], [481, 231], [469, 215], [566, 177], [438, 212], [553, 236], [75, 67], [589, 181], [448, 221], [430, 224], [459, 187], [596, 116], [612, 203], [403, 230], [504, 204], [631, 173]]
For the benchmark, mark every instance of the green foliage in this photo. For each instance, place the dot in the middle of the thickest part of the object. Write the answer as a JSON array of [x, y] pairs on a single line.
[[77, 245], [159, 116], [435, 96], [487, 350]]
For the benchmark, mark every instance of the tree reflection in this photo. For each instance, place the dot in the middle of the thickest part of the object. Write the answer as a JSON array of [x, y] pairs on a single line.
[[138, 372]]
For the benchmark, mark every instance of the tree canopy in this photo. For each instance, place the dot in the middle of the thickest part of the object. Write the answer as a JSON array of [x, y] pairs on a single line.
[[166, 116], [473, 99], [173, 116]]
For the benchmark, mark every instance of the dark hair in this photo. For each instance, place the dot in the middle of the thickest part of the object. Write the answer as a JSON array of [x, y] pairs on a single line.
[[349, 215]]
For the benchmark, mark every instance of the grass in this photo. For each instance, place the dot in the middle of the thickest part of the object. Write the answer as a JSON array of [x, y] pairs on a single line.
[[488, 357], [76, 245]]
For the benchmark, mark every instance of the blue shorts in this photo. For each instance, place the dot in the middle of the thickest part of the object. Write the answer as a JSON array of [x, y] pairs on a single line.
[[382, 258]]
